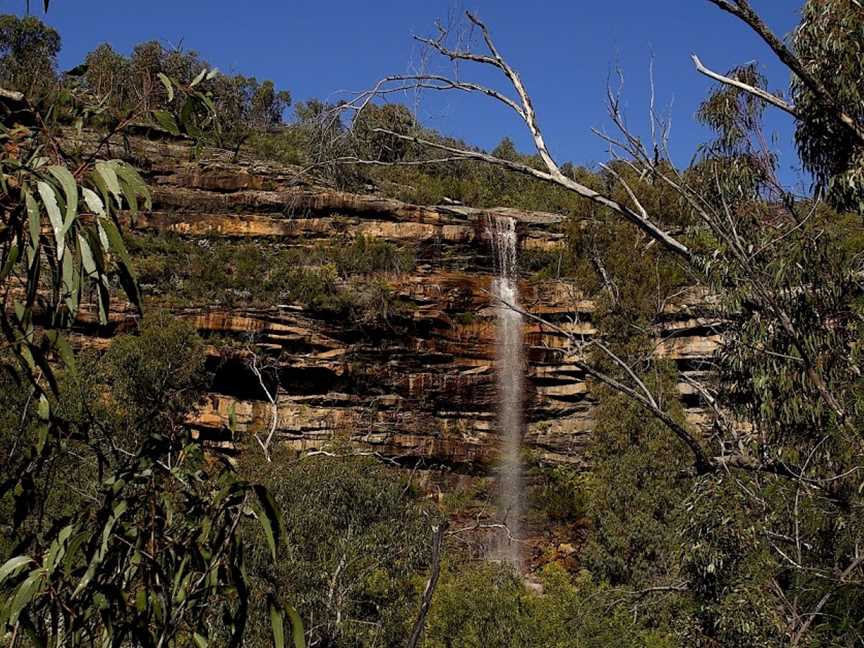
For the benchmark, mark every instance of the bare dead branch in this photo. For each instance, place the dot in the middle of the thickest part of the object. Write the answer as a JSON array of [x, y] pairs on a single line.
[[530, 117], [774, 100], [440, 82], [627, 188], [742, 10], [702, 462], [257, 369], [841, 580], [637, 219]]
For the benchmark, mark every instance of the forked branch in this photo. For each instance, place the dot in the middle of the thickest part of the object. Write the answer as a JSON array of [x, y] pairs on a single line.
[[524, 108], [742, 10], [645, 224]]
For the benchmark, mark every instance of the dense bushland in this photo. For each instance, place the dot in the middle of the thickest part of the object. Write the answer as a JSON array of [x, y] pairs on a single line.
[[117, 528]]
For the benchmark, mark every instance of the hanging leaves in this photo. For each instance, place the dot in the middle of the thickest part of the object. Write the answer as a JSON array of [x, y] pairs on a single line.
[[161, 515], [278, 613]]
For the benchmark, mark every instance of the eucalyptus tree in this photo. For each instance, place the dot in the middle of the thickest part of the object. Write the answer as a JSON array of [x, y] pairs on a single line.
[[782, 464], [830, 45], [28, 55], [151, 554]]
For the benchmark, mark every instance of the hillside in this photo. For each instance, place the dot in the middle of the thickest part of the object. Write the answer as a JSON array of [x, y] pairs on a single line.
[[418, 386]]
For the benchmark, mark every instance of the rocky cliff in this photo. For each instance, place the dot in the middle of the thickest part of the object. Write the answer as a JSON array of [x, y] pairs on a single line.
[[423, 390]]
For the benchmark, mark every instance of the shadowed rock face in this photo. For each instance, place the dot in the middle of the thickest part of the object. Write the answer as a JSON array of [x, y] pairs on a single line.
[[421, 389]]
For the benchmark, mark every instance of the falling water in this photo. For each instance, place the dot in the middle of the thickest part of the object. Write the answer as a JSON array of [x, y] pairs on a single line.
[[510, 376]]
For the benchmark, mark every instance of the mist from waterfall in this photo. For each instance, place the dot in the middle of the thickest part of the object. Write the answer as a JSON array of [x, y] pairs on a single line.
[[510, 369]]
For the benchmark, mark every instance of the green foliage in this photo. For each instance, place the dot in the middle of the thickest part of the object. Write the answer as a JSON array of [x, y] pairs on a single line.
[[564, 494], [288, 145], [773, 388], [830, 44], [155, 378], [376, 145], [473, 184], [486, 605], [735, 171], [739, 546], [120, 530], [46, 244], [346, 565], [637, 486], [132, 533], [629, 295], [28, 55], [366, 255], [342, 277], [107, 74], [547, 263], [728, 567], [183, 93], [316, 138], [732, 113]]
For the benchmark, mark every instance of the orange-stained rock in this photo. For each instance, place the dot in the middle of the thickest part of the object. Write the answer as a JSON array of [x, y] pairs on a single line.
[[425, 389]]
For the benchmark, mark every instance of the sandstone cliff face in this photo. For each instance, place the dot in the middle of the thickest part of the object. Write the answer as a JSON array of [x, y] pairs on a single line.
[[424, 390]]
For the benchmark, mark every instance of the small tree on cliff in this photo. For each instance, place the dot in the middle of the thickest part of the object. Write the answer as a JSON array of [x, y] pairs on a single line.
[[28, 55]]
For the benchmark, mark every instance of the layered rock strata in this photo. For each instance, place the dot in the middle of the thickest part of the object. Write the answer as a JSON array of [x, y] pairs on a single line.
[[422, 390]]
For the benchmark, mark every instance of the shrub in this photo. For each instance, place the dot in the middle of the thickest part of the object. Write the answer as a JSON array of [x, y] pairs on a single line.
[[144, 384], [357, 536], [563, 493], [333, 278], [489, 606], [366, 255], [547, 263]]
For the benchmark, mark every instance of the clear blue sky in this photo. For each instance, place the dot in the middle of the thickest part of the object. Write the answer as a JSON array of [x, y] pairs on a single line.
[[564, 49]]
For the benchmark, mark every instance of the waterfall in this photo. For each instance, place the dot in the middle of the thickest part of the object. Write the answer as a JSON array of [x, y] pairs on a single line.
[[509, 367]]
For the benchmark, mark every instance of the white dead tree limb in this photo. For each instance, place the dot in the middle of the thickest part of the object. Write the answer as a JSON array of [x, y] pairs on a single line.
[[764, 95], [557, 177], [653, 164], [523, 107], [742, 10], [438, 533], [259, 367]]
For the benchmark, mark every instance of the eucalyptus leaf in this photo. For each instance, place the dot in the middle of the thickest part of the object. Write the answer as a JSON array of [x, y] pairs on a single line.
[[9, 263], [49, 199], [267, 512], [70, 189], [277, 625], [13, 566], [33, 218], [24, 595], [105, 171], [169, 87], [166, 120], [198, 78]]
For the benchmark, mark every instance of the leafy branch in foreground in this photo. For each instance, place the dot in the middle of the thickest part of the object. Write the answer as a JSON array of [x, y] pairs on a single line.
[[148, 550]]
